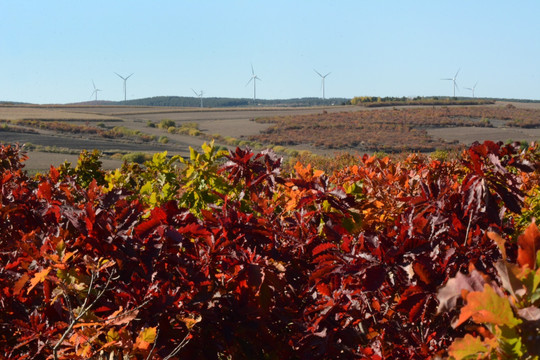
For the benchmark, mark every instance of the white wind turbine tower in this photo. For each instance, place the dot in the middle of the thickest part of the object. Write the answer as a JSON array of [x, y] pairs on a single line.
[[125, 80], [472, 89], [96, 90], [253, 78], [199, 95], [322, 81], [454, 82]]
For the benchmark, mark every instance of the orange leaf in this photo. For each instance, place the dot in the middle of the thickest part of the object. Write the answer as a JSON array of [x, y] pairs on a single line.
[[20, 284], [38, 277], [469, 346], [529, 243], [303, 172], [318, 173], [378, 204], [487, 307]]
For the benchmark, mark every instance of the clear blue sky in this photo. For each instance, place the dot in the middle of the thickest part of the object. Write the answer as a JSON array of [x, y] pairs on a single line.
[[50, 51]]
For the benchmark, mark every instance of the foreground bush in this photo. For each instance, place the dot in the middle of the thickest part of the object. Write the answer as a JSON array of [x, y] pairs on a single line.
[[224, 256]]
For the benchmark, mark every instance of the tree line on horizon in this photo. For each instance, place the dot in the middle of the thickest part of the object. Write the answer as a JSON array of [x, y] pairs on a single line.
[[217, 102]]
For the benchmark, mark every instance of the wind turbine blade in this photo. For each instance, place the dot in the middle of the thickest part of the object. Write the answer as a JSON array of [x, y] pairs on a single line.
[[128, 76], [120, 76], [252, 71], [455, 76], [94, 85], [318, 73], [326, 75], [448, 79], [194, 92], [249, 81]]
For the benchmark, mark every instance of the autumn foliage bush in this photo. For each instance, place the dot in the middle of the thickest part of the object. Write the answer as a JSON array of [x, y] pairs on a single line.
[[222, 255]]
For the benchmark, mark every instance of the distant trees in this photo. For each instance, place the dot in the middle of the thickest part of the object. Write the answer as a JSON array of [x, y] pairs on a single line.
[[213, 102], [375, 101]]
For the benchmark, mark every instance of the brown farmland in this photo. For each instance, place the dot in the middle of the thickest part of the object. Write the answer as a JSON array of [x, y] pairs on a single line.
[[90, 127]]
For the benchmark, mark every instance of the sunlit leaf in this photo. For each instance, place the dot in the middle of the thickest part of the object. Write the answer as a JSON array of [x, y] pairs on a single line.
[[529, 244], [121, 317], [38, 277], [469, 347], [499, 241], [487, 307], [146, 338]]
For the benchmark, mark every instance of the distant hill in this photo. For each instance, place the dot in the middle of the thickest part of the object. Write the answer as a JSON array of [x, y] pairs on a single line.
[[95, 102], [214, 102], [12, 103]]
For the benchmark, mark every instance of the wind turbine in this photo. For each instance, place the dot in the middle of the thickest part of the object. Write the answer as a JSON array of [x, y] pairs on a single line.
[[472, 89], [454, 82], [96, 90], [199, 95], [322, 81], [125, 79], [253, 78]]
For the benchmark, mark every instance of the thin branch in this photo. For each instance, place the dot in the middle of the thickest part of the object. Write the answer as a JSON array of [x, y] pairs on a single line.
[[68, 302], [84, 310], [154, 346], [125, 312], [179, 347], [120, 315], [468, 228]]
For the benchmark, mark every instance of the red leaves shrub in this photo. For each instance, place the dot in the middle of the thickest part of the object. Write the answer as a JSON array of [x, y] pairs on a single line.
[[288, 267]]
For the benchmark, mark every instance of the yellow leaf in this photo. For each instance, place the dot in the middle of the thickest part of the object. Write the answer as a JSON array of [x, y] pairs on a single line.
[[190, 322], [38, 277], [145, 338], [193, 154], [499, 241], [113, 335]]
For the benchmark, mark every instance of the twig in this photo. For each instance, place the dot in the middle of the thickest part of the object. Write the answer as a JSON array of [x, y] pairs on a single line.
[[178, 347], [84, 310], [468, 228], [154, 346]]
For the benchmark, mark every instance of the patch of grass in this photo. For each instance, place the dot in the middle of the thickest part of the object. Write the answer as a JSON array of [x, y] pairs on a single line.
[[166, 123], [136, 157], [50, 149]]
